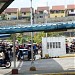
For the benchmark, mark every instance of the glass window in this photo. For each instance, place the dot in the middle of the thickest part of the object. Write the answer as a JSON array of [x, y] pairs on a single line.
[[47, 45], [62, 11], [24, 13], [56, 45], [59, 45], [72, 10], [51, 11], [50, 44], [41, 16], [57, 11], [53, 44]]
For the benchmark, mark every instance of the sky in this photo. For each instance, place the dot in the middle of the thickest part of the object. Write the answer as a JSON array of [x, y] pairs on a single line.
[[38, 3]]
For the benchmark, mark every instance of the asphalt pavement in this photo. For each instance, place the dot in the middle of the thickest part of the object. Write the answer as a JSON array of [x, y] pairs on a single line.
[[44, 66]]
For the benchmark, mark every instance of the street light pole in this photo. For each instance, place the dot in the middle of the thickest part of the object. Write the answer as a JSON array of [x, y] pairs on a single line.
[[45, 17], [31, 35], [32, 68]]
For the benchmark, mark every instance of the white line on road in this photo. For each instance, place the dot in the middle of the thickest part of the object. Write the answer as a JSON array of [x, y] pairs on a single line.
[[20, 65]]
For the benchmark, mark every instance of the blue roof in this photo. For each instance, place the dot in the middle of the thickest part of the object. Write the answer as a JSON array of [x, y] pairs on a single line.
[[37, 27]]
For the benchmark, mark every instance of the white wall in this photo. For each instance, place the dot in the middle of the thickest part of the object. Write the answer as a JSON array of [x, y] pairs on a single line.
[[71, 12], [53, 52]]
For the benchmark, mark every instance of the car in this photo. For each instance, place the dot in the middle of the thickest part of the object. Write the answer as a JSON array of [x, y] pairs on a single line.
[[25, 54]]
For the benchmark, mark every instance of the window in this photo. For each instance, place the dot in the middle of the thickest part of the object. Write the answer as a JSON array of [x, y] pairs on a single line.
[[56, 44], [72, 10], [24, 13], [41, 16], [40, 12], [50, 44], [14, 13], [57, 11], [53, 44], [47, 45], [59, 45], [62, 11], [51, 11]]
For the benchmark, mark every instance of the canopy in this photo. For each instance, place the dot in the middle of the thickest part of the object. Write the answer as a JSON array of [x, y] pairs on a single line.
[[4, 4], [37, 27], [4, 35]]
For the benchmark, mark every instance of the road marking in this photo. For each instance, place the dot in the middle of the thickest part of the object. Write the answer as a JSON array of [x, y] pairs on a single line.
[[20, 65]]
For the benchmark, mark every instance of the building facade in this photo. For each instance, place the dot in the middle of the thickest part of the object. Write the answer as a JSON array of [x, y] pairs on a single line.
[[11, 13], [71, 10], [57, 11], [25, 13], [42, 13]]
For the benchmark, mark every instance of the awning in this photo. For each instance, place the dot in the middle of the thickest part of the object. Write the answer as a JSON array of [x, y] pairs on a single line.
[[37, 27]]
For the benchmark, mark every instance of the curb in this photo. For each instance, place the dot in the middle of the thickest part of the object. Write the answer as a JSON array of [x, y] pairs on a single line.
[[73, 55], [66, 56]]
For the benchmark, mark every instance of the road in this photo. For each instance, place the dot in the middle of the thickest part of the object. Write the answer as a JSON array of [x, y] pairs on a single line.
[[53, 65]]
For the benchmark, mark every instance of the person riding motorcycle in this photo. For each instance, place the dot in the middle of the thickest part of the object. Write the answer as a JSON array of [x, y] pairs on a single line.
[[2, 56]]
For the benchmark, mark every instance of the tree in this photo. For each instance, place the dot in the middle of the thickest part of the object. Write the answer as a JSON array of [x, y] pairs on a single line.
[[38, 37]]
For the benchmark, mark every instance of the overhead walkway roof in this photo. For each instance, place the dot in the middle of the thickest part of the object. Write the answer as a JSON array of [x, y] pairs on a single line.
[[37, 27], [4, 4]]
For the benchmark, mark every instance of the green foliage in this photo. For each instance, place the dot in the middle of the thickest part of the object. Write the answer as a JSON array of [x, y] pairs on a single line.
[[22, 38], [55, 34], [38, 37]]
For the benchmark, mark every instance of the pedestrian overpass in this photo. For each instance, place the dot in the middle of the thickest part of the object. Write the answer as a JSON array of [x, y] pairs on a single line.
[[47, 27]]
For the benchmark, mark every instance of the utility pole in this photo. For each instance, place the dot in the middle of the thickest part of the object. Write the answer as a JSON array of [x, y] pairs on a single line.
[[32, 68]]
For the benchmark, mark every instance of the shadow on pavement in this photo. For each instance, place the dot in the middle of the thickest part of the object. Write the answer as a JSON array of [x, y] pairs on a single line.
[[42, 66]]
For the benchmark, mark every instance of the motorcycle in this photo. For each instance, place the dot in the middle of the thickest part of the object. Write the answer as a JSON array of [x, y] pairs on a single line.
[[6, 64]]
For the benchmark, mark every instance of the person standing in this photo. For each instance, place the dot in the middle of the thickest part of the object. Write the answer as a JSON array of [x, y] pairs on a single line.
[[29, 53]]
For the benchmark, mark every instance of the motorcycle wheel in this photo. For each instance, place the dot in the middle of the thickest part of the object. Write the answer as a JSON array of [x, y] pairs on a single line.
[[8, 64]]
